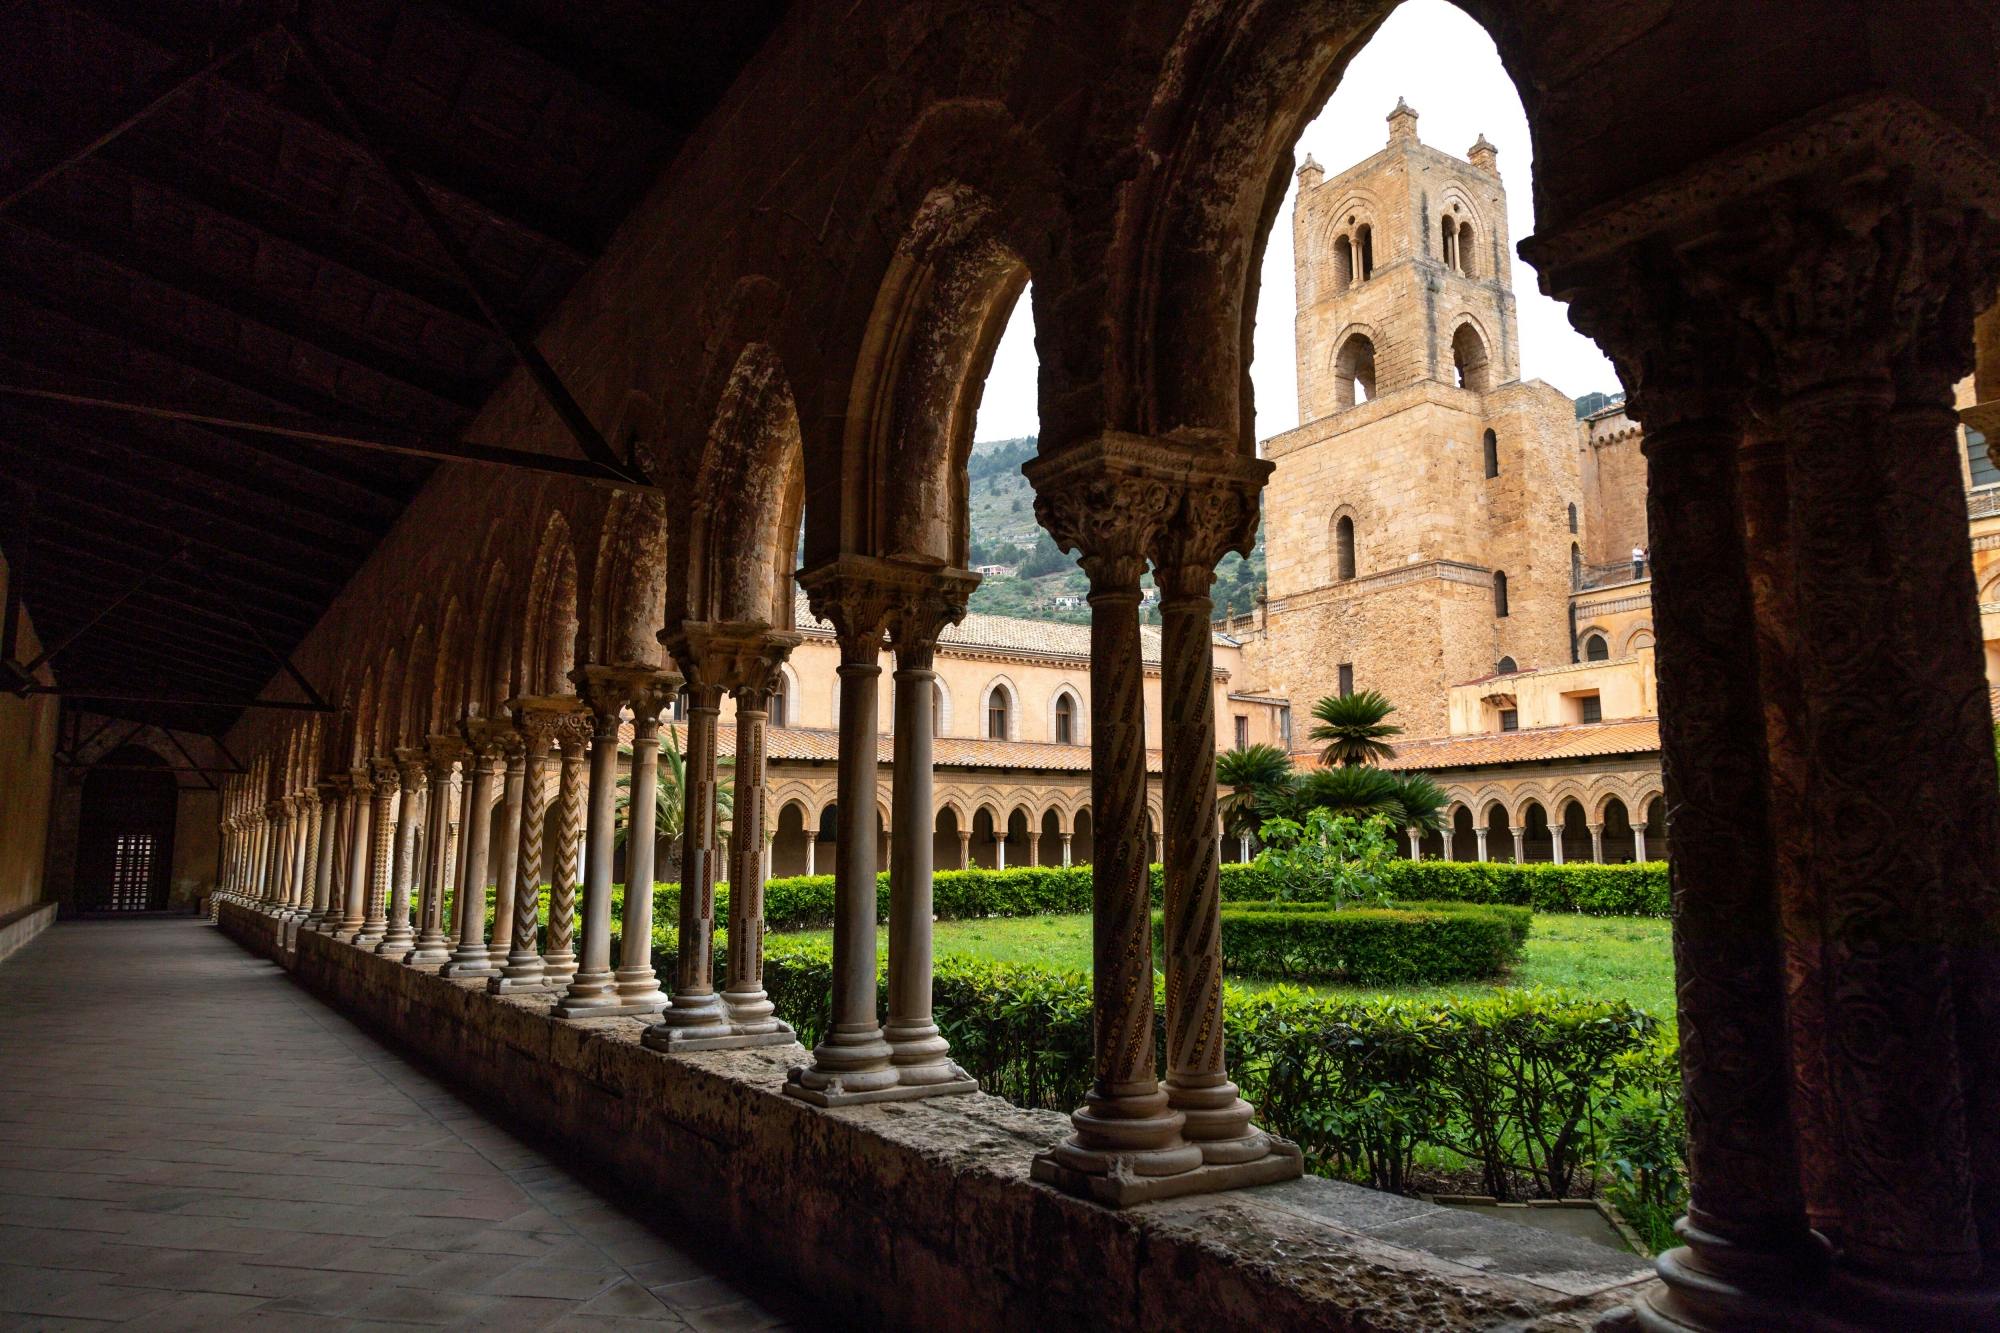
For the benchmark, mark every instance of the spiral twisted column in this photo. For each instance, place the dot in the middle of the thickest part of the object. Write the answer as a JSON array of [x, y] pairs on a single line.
[[606, 691], [539, 721], [572, 745], [1216, 513]]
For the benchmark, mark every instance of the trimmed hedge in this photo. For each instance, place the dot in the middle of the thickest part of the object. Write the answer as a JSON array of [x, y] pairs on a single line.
[[1410, 944], [1522, 1084], [1591, 890]]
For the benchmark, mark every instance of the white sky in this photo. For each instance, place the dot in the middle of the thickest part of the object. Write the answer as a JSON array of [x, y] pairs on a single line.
[[1436, 58]]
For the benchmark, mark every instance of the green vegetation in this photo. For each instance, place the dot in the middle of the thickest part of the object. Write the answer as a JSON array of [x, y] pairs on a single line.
[[1355, 728], [1410, 943]]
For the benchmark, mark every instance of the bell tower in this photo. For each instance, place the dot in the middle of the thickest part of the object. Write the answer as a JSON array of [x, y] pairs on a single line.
[[1401, 264]]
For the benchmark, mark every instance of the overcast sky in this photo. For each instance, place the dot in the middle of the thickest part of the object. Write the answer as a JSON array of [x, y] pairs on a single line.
[[1433, 56]]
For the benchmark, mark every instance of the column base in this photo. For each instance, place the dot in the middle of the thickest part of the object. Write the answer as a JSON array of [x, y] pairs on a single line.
[[1711, 1284], [470, 963], [396, 944], [675, 1040], [826, 1088], [427, 956], [1128, 1178], [611, 1006]]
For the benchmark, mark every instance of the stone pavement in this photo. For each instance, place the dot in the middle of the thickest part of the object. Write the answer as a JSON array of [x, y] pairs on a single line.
[[188, 1140]]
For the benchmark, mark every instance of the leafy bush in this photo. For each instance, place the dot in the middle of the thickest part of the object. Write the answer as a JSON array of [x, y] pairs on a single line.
[[1593, 890], [1645, 1143], [1331, 858], [1368, 946]]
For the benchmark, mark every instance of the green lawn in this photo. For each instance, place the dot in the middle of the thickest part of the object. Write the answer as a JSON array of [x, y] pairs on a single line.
[[1616, 957]]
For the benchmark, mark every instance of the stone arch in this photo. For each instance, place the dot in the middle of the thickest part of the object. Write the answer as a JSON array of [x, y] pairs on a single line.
[[968, 207], [1344, 544], [451, 669], [628, 581], [549, 622], [1538, 835], [1005, 689], [940, 707], [492, 646], [789, 701], [1593, 644], [1487, 799], [751, 475], [1470, 358], [1067, 694], [1353, 368], [1638, 637], [413, 701]]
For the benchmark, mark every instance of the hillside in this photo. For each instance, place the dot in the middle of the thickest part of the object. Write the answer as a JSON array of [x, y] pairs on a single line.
[[1048, 584]]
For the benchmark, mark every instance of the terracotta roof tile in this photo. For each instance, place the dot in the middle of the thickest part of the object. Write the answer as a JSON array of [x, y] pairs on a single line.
[[1539, 744], [1011, 634], [816, 745]]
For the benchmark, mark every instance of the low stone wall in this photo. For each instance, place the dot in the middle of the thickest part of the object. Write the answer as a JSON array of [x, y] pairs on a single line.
[[921, 1214], [17, 928]]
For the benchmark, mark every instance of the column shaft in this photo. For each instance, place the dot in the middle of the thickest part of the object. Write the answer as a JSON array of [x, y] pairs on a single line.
[[919, 1050], [472, 958], [695, 1013], [593, 987], [433, 946], [507, 837], [524, 969], [638, 984], [750, 1009], [559, 953], [400, 932]]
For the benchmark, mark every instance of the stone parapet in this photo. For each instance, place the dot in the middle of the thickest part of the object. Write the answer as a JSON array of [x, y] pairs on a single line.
[[921, 1214]]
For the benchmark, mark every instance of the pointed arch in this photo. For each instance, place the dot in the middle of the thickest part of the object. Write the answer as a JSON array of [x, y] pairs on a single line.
[[628, 580], [492, 682], [549, 616], [752, 466]]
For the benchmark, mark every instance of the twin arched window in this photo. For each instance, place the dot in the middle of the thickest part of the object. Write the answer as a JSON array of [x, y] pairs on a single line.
[[1354, 371], [1456, 243], [1343, 548]]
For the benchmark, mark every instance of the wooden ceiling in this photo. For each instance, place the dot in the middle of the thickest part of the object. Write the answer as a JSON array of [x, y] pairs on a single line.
[[261, 262]]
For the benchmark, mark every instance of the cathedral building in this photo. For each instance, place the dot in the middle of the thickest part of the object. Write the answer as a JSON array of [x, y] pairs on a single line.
[[1471, 544]]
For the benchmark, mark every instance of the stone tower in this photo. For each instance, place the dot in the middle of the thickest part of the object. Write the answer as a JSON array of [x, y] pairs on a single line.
[[1417, 527]]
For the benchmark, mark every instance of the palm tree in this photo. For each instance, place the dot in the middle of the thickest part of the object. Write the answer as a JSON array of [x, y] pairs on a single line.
[[670, 803], [1422, 803], [1358, 790], [1353, 726], [1257, 777]]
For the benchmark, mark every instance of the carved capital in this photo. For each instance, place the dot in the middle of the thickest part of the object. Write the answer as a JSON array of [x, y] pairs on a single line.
[[739, 656], [385, 779], [1120, 500], [489, 738], [542, 720], [912, 598], [413, 766], [445, 752], [609, 690]]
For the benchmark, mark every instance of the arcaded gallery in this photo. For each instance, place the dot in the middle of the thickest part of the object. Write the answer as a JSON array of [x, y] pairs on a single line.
[[638, 680]]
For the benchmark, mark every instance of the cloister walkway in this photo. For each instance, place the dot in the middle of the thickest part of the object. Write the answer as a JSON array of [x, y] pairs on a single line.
[[188, 1140]]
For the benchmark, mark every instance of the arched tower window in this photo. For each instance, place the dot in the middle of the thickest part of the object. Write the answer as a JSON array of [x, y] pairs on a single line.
[[1448, 242], [1465, 259], [1343, 263], [1364, 252], [997, 709], [1505, 667], [1469, 362], [1354, 371], [1572, 517], [1343, 548], [1499, 593], [1492, 446], [1065, 720], [1575, 566], [781, 702], [1595, 649]]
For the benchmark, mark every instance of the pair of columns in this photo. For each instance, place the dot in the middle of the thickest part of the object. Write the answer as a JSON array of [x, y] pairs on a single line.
[[1124, 502], [862, 1058], [1789, 322], [743, 659]]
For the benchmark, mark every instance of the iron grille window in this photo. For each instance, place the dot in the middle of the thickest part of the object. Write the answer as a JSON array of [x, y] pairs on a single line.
[[132, 872]]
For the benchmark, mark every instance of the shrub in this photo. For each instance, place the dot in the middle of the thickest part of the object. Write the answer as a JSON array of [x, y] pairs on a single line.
[[1645, 1143], [1366, 946], [1594, 890]]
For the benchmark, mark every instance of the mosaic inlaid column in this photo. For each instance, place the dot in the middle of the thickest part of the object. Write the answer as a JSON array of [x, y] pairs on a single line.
[[386, 780], [413, 769], [433, 946], [485, 741], [852, 1062], [638, 983], [1099, 499], [1216, 514], [507, 837], [539, 722], [559, 946]]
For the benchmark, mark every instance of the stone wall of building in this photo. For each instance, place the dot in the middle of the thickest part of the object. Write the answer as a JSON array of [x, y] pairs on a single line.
[[1613, 470]]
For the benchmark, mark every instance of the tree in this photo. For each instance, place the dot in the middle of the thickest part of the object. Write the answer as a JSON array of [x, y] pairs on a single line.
[[1329, 858], [1422, 803], [1353, 727], [1361, 792], [1258, 779], [669, 800]]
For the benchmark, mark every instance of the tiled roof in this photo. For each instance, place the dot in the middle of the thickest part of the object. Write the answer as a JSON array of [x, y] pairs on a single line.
[[816, 745], [1537, 745], [1011, 634]]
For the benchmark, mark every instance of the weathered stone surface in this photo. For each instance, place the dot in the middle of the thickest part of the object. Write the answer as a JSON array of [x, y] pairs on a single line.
[[922, 1213]]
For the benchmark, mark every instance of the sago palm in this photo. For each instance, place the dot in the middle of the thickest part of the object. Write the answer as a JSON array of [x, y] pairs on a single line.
[[1422, 803], [1353, 727], [1359, 791], [669, 798], [1253, 779]]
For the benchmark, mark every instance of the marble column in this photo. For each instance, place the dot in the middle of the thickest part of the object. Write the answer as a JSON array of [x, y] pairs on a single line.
[[1066, 849], [1555, 840], [1479, 836], [540, 720], [1638, 842], [277, 861], [1098, 498], [399, 932], [750, 1010], [1520, 836], [354, 900], [852, 1062], [638, 983], [1416, 838], [325, 838], [592, 987], [485, 741], [812, 851], [433, 945], [1597, 843], [965, 849], [694, 1019], [507, 837], [1217, 514], [559, 961], [386, 779]]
